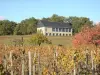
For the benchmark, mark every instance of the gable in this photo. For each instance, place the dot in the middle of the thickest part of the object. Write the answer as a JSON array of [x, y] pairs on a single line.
[[40, 24]]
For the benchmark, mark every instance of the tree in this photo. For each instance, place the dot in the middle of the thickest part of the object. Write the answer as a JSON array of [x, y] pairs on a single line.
[[47, 19], [21, 29], [88, 35], [56, 18], [7, 27], [79, 22], [27, 26], [89, 38], [38, 39], [17, 30]]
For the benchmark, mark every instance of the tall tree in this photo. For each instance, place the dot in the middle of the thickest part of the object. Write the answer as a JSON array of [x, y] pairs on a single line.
[[27, 26], [79, 22], [47, 19], [56, 18], [7, 27]]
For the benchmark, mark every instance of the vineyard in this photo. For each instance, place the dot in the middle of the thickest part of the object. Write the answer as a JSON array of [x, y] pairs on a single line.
[[49, 60], [82, 58]]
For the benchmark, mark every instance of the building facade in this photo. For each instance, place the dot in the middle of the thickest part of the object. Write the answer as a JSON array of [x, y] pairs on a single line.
[[54, 28]]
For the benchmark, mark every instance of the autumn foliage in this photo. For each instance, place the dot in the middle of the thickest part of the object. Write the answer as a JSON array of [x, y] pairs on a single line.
[[55, 60], [88, 35]]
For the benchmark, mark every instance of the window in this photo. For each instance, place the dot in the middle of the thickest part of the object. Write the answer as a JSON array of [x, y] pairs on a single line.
[[66, 29], [66, 34], [49, 34], [63, 29], [60, 34], [53, 34], [53, 29], [69, 34], [63, 34], [40, 30], [60, 29], [69, 29], [56, 34], [56, 29], [46, 34]]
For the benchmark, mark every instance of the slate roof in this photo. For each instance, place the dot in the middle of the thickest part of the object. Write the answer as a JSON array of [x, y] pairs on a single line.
[[56, 24]]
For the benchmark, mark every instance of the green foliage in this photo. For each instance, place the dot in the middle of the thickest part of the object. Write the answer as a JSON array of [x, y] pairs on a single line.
[[17, 30], [38, 39], [77, 22], [7, 27], [56, 18], [27, 26]]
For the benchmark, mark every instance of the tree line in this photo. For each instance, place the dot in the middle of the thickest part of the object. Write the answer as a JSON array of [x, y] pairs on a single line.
[[29, 26]]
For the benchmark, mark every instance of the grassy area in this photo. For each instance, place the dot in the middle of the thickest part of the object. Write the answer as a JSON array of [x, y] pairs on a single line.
[[67, 41]]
